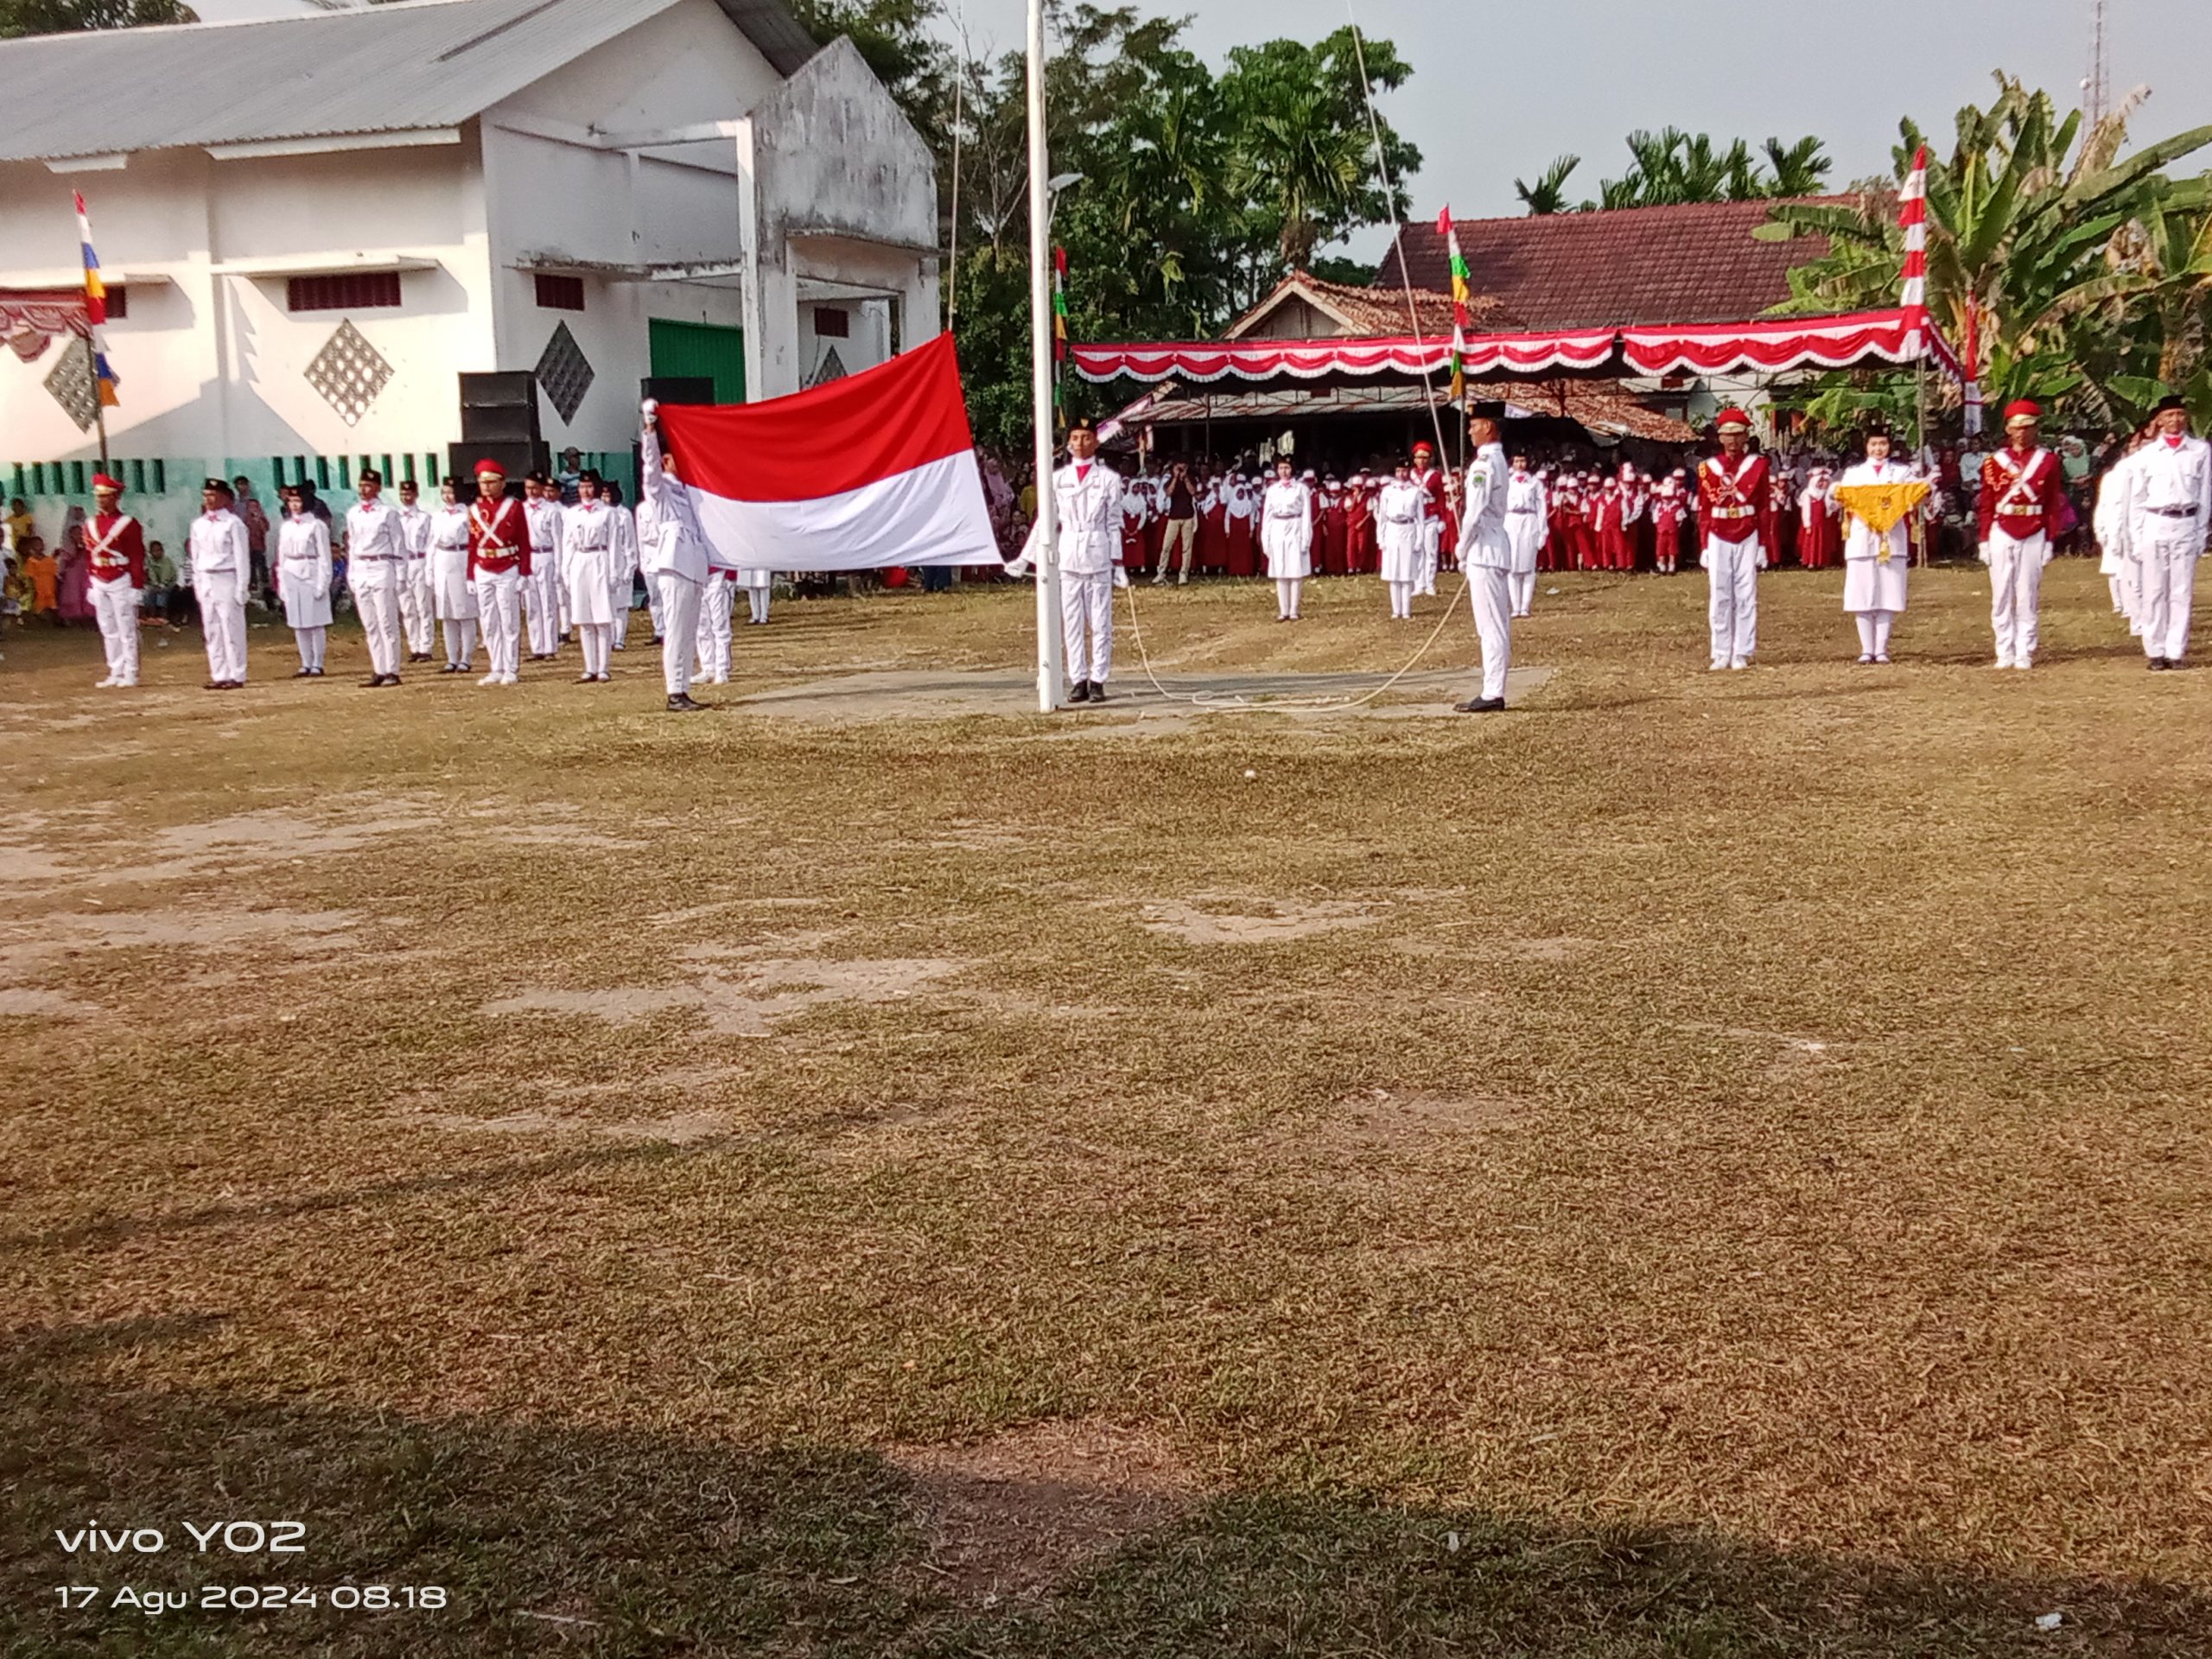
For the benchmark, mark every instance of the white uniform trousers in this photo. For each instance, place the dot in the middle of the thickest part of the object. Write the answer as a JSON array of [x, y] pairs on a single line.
[[415, 605], [1087, 625], [460, 641], [653, 608], [313, 643], [1732, 611], [222, 622], [540, 603], [714, 601], [618, 596], [499, 606], [1492, 589], [115, 604], [376, 586], [756, 598], [679, 633], [1431, 538], [2165, 588], [2015, 590], [1523, 590]]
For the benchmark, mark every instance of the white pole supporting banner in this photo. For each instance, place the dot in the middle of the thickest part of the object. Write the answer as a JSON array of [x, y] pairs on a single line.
[[1040, 355]]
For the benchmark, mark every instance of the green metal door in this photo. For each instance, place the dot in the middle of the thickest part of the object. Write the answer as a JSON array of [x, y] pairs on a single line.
[[700, 349]]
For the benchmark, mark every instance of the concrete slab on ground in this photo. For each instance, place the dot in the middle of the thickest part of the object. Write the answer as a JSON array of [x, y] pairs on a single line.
[[951, 694]]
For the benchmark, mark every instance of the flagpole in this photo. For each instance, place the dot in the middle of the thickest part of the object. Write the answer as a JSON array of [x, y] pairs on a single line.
[[1041, 367]]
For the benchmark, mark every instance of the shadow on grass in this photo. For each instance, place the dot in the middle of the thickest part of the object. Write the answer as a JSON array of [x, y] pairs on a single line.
[[620, 1542]]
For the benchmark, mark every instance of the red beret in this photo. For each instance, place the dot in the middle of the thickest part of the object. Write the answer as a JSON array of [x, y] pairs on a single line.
[[102, 481], [491, 467], [1424, 448], [1732, 417], [2023, 410]]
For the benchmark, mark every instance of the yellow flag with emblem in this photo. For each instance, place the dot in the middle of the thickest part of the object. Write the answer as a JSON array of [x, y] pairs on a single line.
[[1879, 506]]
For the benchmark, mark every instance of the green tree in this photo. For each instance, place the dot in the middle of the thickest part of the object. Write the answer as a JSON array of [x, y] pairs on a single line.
[[19, 17], [1671, 168], [2030, 222], [1549, 193], [899, 42]]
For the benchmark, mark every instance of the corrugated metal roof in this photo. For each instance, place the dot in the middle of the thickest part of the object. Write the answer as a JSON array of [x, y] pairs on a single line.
[[388, 68]]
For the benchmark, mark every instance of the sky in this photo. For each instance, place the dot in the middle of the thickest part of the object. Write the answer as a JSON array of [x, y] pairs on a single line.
[[1498, 90]]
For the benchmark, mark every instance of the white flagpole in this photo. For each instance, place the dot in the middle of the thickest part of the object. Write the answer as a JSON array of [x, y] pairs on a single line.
[[1040, 365]]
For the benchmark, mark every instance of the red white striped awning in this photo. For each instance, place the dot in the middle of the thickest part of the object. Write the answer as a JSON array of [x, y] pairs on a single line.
[[1768, 345], [1204, 362]]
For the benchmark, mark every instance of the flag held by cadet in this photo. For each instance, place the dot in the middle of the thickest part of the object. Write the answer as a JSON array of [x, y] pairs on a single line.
[[104, 376], [876, 469]]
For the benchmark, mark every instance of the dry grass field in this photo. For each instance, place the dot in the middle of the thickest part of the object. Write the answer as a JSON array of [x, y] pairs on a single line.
[[1700, 1165]]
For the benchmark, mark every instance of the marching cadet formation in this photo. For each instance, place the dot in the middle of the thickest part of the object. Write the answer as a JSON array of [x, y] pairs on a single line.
[[533, 568]]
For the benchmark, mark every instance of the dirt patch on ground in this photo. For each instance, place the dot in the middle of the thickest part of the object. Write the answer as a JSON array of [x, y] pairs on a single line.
[[1380, 1120], [1235, 919], [316, 931], [750, 999], [1017, 1515], [29, 1001]]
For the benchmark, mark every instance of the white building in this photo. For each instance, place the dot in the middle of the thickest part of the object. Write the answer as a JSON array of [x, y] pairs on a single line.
[[316, 223]]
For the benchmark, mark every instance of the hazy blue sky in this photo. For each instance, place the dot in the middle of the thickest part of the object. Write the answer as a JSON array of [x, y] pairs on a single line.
[[1498, 90]]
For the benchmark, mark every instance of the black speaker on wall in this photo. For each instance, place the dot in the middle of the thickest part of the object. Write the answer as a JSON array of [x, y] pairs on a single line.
[[519, 459], [677, 388], [499, 408]]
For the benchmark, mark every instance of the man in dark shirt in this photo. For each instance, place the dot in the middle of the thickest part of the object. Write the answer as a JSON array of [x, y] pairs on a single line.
[[1182, 525]]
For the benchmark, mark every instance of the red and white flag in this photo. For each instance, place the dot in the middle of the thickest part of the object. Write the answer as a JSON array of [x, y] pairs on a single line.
[[875, 469]]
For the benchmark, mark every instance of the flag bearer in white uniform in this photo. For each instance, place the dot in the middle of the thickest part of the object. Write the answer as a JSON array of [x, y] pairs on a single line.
[[303, 570], [1287, 538], [2169, 510], [116, 550], [1486, 555], [222, 571], [623, 583], [1528, 521], [541, 589], [499, 564], [1087, 494], [673, 549], [1735, 521], [375, 566], [453, 595], [415, 581], [588, 562], [2023, 490], [1399, 507], [1874, 565]]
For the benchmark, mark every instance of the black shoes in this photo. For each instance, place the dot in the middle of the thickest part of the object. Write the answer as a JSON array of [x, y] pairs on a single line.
[[1098, 691], [376, 680], [1082, 692], [454, 668], [2158, 662], [1480, 706], [681, 704], [418, 655]]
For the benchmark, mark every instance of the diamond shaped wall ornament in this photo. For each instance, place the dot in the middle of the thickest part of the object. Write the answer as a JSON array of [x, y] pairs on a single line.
[[564, 373], [348, 373], [832, 367], [69, 383]]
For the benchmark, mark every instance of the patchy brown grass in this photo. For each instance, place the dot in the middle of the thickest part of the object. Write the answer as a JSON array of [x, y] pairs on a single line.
[[1705, 1163]]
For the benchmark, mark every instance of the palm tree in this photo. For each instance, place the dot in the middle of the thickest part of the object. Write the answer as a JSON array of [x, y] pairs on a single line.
[[1549, 193], [1798, 169]]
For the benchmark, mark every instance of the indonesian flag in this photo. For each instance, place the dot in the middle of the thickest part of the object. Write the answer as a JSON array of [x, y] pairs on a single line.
[[1459, 296], [872, 470]]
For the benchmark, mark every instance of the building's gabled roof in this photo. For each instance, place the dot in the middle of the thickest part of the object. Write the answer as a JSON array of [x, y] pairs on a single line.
[[1381, 309], [1617, 269], [419, 65]]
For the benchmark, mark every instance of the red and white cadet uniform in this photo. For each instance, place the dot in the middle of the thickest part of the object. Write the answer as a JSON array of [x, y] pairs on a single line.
[[116, 547], [1874, 566], [415, 615], [1735, 519], [1817, 520], [302, 571], [1436, 509], [222, 571], [587, 561], [375, 566], [453, 595], [541, 579], [1669, 506], [2169, 513], [2023, 492], [498, 561], [1528, 521]]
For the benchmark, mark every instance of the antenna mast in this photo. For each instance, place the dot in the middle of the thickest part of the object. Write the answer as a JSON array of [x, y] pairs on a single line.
[[2096, 91]]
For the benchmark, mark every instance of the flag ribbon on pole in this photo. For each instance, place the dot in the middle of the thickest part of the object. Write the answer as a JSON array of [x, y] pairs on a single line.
[[1458, 261], [1059, 320], [104, 378]]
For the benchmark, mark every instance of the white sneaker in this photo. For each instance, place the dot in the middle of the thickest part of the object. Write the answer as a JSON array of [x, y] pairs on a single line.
[[2004, 662], [1739, 664], [102, 685], [1716, 666], [510, 679], [2020, 662], [489, 679]]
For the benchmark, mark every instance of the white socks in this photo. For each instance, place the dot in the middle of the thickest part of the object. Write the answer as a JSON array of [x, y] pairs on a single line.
[[1287, 590]]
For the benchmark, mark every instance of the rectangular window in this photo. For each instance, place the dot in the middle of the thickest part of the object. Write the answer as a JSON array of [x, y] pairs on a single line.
[[560, 293], [830, 323], [118, 304], [355, 292]]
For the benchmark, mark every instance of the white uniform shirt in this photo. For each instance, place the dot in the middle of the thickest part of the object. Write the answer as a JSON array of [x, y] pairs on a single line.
[[1481, 511], [1860, 541], [303, 554], [544, 518], [669, 536], [415, 531], [373, 533], [1528, 518], [446, 531], [217, 542], [1087, 502], [2168, 493]]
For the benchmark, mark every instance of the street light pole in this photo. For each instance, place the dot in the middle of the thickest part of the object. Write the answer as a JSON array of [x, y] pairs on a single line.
[[1040, 369]]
